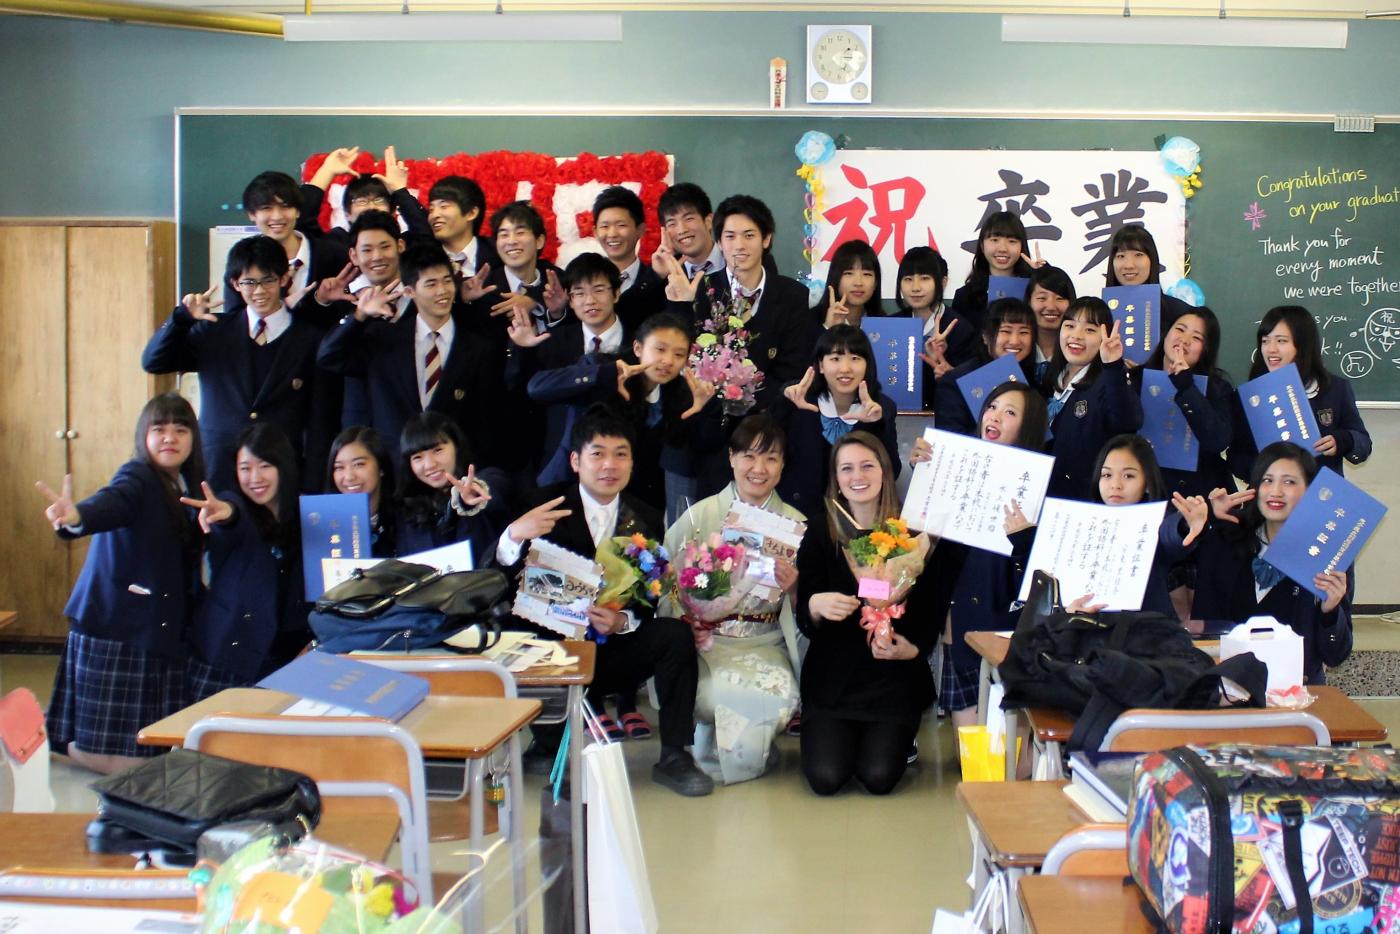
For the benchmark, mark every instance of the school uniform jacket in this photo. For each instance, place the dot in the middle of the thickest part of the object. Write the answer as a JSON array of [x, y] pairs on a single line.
[[645, 298], [807, 464], [1225, 591], [448, 527], [984, 585], [402, 203], [293, 396], [327, 260], [244, 607], [138, 584], [1211, 420], [1337, 415], [565, 347], [839, 675], [1091, 415]]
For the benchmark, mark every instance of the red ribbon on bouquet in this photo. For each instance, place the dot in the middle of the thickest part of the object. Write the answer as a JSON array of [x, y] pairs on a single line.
[[877, 623]]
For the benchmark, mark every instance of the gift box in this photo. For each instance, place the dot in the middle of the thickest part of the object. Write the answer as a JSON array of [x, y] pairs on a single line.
[[1273, 643]]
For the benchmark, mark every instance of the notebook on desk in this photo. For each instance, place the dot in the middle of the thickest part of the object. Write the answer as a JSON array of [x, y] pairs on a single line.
[[333, 682]]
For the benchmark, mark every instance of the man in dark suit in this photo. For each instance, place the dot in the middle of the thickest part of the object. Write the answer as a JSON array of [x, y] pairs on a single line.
[[782, 330], [255, 364], [422, 360], [456, 209], [387, 192], [578, 517], [619, 223]]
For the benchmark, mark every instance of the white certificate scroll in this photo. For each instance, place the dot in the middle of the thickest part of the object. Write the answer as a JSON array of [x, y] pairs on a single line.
[[1106, 551], [962, 493]]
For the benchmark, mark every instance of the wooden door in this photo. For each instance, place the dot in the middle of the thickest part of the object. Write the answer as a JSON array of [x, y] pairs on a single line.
[[34, 564]]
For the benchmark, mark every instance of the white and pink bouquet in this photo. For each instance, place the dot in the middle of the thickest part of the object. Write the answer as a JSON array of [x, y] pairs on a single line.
[[720, 355], [710, 583]]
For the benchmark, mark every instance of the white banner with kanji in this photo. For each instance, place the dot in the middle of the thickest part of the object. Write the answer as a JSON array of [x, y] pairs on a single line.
[[1070, 201]]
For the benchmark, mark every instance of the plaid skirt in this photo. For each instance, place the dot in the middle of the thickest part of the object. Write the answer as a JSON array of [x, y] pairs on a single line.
[[958, 690], [204, 680], [104, 692]]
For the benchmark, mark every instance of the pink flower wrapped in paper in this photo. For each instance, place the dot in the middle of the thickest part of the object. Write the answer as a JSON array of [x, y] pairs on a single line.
[[710, 583], [886, 562], [720, 355]]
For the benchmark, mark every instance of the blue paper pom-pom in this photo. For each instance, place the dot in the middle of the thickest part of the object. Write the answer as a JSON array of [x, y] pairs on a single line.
[[1188, 291], [814, 148]]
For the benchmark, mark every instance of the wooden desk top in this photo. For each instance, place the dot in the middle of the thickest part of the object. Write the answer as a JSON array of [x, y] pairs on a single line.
[[1020, 821], [59, 842], [445, 727], [1346, 720], [1075, 904]]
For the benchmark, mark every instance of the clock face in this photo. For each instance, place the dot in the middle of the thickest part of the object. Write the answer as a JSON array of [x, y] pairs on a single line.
[[839, 56]]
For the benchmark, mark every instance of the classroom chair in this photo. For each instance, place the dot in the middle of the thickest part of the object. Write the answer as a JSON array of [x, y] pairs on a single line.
[[1142, 730], [357, 764], [1092, 850]]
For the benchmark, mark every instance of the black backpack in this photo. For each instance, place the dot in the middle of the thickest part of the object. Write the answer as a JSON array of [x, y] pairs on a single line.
[[1098, 665]]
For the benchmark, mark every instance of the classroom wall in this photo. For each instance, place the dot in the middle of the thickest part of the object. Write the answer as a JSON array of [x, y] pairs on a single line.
[[87, 110]]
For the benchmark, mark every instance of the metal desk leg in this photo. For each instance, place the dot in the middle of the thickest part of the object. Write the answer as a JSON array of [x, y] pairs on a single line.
[[984, 689], [476, 888], [1011, 729], [576, 806], [517, 835]]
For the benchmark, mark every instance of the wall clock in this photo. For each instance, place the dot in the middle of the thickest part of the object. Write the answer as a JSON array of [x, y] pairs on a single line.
[[839, 64]]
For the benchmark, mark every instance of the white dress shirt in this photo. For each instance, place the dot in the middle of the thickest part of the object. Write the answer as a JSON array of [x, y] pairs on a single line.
[[467, 259], [713, 263], [629, 275], [609, 341], [422, 340], [735, 286], [277, 323]]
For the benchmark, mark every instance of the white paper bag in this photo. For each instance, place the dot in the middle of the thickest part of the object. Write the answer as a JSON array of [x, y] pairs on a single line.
[[1273, 643], [619, 892]]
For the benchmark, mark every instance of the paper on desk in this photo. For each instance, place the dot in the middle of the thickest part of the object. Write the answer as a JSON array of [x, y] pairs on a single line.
[[962, 492], [306, 707], [22, 918], [1089, 548]]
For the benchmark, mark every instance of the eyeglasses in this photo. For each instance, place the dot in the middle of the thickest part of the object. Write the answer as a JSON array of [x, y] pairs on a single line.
[[598, 291], [369, 202], [249, 285]]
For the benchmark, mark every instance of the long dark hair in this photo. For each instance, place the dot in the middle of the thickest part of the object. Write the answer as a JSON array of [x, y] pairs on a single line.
[[1307, 344], [837, 524], [1031, 435], [422, 505], [921, 261], [1133, 237], [1051, 279], [374, 444], [1210, 354], [171, 408], [844, 338], [853, 254], [999, 224], [269, 443], [1138, 446], [1094, 310], [1245, 535]]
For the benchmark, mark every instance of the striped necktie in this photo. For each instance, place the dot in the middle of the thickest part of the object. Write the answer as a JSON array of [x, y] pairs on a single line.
[[432, 368], [260, 332]]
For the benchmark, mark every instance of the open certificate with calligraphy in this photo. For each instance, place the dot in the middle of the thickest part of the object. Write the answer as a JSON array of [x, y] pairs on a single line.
[[767, 537], [961, 493], [1164, 425], [1138, 311], [897, 343], [1089, 548], [1326, 530], [1277, 408], [333, 526], [556, 589]]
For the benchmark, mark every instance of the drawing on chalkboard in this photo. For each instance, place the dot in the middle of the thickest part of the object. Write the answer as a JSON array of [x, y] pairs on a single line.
[[1255, 215], [1013, 187], [1382, 333], [1127, 193]]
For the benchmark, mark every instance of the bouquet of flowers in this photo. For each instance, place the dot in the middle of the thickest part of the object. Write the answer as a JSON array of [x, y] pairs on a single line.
[[633, 569], [306, 887], [711, 584], [720, 355], [885, 561]]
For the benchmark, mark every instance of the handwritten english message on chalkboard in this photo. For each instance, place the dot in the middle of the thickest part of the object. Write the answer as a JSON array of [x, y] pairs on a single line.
[[1319, 231]]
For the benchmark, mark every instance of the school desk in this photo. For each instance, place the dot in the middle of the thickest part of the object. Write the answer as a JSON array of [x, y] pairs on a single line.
[[1012, 826], [1078, 904], [46, 843]]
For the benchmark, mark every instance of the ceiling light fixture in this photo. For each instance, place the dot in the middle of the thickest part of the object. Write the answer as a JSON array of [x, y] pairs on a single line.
[[1175, 30], [406, 26]]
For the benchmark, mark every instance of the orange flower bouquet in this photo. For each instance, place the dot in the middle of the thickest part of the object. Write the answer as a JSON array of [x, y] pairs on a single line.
[[885, 561]]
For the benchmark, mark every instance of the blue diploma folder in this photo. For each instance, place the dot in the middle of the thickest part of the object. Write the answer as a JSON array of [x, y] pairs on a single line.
[[1326, 531], [1006, 287], [1138, 311], [1164, 424], [897, 343], [335, 525], [344, 682], [977, 385], [1278, 409]]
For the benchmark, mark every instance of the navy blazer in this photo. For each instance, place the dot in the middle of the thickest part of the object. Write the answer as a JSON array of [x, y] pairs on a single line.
[[1337, 415], [1210, 417], [138, 584], [807, 465], [383, 352], [1090, 417], [450, 527], [964, 344], [1225, 591], [401, 202], [565, 347], [248, 601], [984, 586], [293, 395], [645, 298]]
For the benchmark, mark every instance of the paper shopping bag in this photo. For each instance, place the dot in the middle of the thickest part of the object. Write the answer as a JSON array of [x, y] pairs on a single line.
[[619, 892]]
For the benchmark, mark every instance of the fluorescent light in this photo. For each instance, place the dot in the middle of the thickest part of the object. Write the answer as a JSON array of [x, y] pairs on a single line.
[[1176, 30], [453, 27]]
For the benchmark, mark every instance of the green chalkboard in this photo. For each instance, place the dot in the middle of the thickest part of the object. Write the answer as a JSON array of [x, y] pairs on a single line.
[[1341, 209]]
